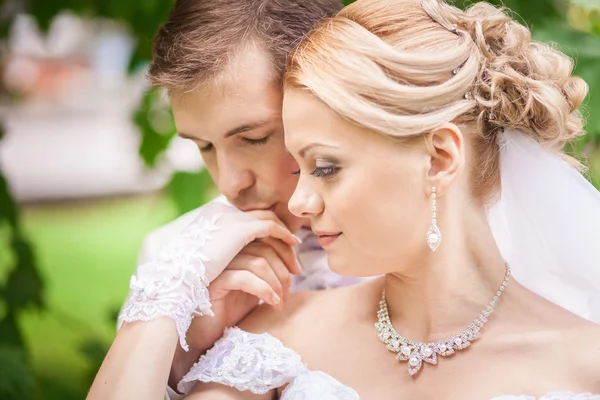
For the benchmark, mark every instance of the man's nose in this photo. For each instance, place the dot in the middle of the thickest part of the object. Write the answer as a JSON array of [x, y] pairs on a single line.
[[234, 177]]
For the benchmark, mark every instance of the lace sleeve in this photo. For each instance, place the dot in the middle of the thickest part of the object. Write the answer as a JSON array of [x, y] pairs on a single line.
[[174, 285], [245, 361]]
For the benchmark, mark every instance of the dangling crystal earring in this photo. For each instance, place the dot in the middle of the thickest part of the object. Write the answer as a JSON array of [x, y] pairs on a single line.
[[434, 236]]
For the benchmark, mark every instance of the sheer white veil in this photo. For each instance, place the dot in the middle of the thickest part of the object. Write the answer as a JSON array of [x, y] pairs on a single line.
[[547, 225]]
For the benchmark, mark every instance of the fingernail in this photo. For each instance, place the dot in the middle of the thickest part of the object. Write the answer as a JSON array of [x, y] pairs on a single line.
[[276, 299], [298, 239], [298, 265]]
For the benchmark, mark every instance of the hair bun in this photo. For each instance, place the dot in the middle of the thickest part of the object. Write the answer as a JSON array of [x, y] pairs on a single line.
[[523, 84]]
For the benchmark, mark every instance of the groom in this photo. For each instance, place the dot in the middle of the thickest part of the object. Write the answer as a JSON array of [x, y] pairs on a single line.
[[222, 62]]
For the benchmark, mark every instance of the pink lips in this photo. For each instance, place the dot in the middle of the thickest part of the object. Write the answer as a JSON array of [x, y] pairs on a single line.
[[326, 238]]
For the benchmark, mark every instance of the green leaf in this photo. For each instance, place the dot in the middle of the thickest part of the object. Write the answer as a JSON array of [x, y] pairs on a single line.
[[590, 73], [595, 22], [8, 207], [585, 49], [589, 4], [155, 121], [23, 288], [9, 331], [530, 11], [576, 43], [191, 190], [16, 379], [44, 11], [142, 53]]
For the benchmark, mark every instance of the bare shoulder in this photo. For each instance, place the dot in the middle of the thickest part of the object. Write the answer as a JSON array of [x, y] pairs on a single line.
[[297, 309], [570, 352], [554, 342], [217, 391], [308, 316], [575, 345], [584, 341]]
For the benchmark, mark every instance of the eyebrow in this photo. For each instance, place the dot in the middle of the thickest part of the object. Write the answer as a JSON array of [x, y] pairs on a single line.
[[305, 149], [240, 129]]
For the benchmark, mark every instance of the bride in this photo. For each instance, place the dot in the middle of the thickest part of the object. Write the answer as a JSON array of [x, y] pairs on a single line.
[[429, 142], [396, 112]]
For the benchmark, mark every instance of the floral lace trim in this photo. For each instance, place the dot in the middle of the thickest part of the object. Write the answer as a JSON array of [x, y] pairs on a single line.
[[318, 385], [175, 284], [260, 363], [245, 361], [553, 396]]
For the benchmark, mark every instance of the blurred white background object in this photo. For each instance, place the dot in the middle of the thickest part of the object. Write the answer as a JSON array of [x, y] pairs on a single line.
[[72, 134]]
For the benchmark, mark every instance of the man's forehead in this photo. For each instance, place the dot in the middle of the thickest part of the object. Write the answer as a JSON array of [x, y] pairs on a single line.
[[245, 94], [208, 116], [247, 70], [241, 98]]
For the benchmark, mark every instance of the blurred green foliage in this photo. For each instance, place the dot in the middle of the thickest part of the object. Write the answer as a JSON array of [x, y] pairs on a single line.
[[154, 119], [156, 135], [21, 289], [17, 378]]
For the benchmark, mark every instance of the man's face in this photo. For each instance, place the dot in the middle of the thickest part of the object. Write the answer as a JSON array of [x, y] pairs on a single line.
[[237, 126]]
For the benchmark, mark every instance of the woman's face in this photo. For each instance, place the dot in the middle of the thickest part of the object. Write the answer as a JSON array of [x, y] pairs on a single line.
[[365, 193]]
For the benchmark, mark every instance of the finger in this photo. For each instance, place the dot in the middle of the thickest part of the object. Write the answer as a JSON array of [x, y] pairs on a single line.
[[262, 229], [247, 282], [266, 215], [260, 265], [285, 253], [277, 265]]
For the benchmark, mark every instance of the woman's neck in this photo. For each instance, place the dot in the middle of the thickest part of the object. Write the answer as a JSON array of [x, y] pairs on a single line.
[[441, 294]]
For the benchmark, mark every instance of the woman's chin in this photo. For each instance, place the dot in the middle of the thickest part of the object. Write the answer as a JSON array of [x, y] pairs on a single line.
[[342, 266]]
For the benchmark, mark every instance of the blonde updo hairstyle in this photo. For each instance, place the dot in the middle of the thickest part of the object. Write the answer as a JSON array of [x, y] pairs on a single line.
[[406, 67]]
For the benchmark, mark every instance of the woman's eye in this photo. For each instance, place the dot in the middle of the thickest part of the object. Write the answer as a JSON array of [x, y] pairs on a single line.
[[324, 172], [325, 169]]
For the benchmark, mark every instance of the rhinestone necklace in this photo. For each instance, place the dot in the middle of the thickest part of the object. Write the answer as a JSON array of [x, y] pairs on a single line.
[[418, 352]]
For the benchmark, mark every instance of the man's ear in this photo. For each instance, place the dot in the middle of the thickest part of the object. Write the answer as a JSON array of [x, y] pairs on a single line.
[[447, 151]]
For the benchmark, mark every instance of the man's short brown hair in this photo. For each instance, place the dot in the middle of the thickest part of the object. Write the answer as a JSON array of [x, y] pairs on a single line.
[[200, 37]]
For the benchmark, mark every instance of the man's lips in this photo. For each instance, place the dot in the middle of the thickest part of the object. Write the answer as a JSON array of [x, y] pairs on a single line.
[[260, 208]]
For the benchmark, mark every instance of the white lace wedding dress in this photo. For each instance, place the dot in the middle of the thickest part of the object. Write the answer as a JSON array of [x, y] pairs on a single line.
[[260, 363]]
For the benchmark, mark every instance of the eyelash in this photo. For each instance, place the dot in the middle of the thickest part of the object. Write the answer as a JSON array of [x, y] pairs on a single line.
[[256, 142], [325, 172], [321, 172]]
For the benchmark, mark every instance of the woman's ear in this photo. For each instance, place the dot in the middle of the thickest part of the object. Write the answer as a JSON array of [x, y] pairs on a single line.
[[447, 151]]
